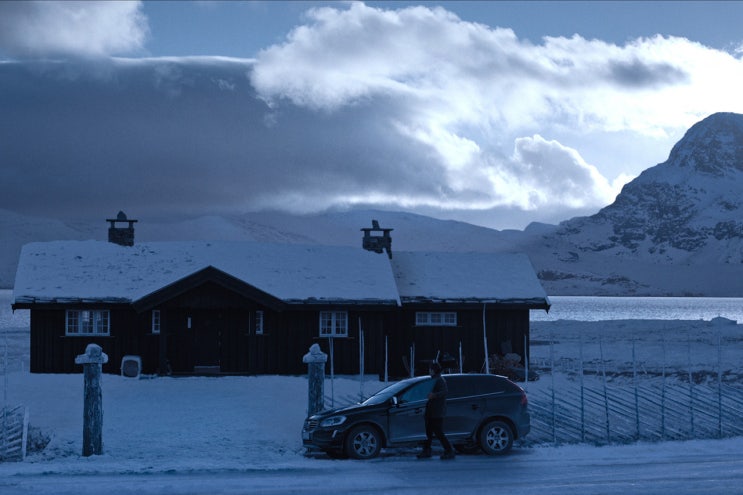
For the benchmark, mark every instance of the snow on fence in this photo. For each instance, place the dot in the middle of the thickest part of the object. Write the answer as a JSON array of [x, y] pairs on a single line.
[[603, 389], [13, 433], [623, 414]]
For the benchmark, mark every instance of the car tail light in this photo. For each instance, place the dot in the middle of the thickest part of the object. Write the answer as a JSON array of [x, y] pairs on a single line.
[[524, 400]]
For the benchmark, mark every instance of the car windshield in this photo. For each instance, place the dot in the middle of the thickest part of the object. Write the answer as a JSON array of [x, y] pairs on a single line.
[[384, 395]]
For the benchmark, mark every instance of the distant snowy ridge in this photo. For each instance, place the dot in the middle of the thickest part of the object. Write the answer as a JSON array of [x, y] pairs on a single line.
[[676, 230]]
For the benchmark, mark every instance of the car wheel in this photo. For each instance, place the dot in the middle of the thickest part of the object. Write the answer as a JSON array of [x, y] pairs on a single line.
[[496, 438], [363, 442]]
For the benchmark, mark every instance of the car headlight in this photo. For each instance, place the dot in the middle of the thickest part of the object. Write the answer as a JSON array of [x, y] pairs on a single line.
[[333, 421]]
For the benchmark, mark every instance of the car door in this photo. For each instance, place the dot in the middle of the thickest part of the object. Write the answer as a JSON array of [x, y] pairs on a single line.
[[406, 419], [463, 406]]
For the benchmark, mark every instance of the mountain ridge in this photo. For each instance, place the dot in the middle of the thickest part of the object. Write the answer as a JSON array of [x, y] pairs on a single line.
[[675, 230]]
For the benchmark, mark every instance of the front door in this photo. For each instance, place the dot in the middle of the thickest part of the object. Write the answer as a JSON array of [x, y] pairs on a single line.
[[207, 328]]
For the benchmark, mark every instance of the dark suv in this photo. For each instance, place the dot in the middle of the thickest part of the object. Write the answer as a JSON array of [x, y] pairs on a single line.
[[483, 412]]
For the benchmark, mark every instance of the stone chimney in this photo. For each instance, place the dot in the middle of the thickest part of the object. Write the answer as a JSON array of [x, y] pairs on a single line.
[[123, 236], [373, 241]]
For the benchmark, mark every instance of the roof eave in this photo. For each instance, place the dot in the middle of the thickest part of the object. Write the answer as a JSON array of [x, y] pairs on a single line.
[[525, 303]]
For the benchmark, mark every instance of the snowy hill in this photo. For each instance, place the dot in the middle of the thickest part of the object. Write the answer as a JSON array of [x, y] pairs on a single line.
[[411, 232], [674, 230]]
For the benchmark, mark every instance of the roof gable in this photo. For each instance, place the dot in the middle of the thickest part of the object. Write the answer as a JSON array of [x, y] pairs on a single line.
[[208, 274], [294, 274]]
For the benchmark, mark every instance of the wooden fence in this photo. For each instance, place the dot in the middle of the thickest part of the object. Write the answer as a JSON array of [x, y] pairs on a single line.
[[13, 433]]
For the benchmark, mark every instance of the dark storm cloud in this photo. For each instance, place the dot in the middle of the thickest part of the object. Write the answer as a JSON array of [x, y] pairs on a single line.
[[188, 137], [638, 74]]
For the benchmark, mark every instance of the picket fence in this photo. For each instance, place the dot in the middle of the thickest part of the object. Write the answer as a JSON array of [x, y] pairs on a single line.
[[13, 433], [648, 411]]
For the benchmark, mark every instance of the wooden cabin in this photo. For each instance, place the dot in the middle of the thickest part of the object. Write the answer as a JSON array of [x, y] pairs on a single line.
[[256, 308]]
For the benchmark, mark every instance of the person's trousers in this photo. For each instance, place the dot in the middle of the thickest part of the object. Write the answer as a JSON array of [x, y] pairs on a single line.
[[435, 427]]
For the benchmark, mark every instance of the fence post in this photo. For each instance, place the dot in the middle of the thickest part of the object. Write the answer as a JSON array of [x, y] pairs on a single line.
[[719, 384], [663, 391], [691, 386], [635, 385], [92, 362], [315, 360], [582, 392], [552, 376], [606, 392]]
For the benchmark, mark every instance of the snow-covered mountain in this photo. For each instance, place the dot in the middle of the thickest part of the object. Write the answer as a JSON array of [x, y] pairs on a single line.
[[677, 229]]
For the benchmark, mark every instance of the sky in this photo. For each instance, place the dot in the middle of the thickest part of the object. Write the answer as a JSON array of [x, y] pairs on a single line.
[[495, 113]]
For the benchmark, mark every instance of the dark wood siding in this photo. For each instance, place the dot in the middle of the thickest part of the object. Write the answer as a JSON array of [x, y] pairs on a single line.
[[222, 336], [54, 352], [503, 326]]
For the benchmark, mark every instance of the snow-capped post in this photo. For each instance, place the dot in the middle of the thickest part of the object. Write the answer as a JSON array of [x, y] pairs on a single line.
[[315, 360], [92, 362]]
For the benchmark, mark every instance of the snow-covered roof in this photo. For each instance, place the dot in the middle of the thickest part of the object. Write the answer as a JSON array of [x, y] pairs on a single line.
[[103, 271], [467, 277], [91, 271]]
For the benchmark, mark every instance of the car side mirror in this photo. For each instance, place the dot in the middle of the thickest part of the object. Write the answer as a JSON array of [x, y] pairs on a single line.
[[394, 401]]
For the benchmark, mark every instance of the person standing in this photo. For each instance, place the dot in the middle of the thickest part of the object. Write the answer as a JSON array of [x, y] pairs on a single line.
[[435, 414]]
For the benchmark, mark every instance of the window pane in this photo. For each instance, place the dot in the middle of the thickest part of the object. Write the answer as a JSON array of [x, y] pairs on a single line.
[[155, 321], [86, 322], [333, 323], [437, 318], [72, 322], [326, 323], [259, 322], [341, 323]]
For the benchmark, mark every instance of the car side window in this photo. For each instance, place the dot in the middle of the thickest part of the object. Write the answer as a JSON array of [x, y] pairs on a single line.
[[458, 386], [490, 385], [417, 392]]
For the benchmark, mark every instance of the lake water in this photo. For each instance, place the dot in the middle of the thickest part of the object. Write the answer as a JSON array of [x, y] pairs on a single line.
[[581, 308], [588, 308]]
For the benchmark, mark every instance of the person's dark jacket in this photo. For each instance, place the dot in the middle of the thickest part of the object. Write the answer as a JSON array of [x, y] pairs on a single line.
[[436, 405]]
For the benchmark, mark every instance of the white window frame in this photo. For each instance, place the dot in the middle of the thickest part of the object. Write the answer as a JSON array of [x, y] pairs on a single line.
[[156, 321], [436, 319], [333, 324], [87, 322], [259, 318]]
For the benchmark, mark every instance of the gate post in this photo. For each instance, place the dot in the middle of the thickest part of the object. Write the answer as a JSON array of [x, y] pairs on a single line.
[[92, 362], [315, 360]]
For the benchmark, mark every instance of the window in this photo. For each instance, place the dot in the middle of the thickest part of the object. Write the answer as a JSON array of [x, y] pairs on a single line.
[[155, 321], [436, 318], [333, 324], [87, 322], [259, 322], [418, 392]]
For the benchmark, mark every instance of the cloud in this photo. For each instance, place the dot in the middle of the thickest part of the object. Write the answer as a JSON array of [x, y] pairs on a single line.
[[470, 92], [71, 28], [170, 136], [410, 108], [549, 173]]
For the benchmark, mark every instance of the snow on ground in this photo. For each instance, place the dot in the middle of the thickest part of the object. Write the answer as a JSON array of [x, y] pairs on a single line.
[[180, 427]]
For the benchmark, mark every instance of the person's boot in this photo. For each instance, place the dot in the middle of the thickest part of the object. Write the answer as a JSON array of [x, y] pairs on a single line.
[[424, 454], [448, 455]]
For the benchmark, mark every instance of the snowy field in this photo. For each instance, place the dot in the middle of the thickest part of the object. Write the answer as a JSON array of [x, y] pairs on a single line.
[[231, 435]]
